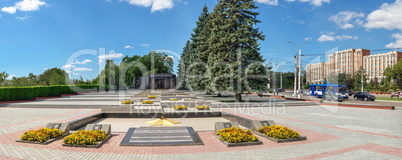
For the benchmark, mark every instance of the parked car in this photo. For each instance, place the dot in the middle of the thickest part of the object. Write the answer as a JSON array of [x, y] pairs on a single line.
[[364, 96], [305, 92], [351, 92], [345, 95], [281, 90], [331, 96], [396, 94]]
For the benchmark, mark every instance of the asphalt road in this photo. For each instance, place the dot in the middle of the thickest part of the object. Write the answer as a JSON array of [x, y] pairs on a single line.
[[350, 100]]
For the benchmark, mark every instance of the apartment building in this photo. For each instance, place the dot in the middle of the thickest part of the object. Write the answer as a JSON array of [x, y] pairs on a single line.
[[351, 61], [375, 65]]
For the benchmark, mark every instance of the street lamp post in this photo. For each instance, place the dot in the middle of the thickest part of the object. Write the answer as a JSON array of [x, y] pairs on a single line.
[[297, 69]]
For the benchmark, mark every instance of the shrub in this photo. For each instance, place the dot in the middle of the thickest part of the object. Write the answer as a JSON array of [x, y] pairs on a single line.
[[151, 97], [279, 132], [29, 93], [147, 102], [173, 99], [41, 135], [127, 102], [85, 137], [202, 107], [180, 107], [236, 135]]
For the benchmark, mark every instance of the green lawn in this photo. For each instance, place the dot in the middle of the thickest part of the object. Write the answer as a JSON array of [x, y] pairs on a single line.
[[389, 99]]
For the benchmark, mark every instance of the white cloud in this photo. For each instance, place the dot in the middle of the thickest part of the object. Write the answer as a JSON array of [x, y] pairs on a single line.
[[11, 76], [10, 10], [268, 2], [307, 38], [346, 37], [68, 67], [29, 5], [82, 62], [397, 43], [102, 58], [389, 16], [343, 19], [156, 5], [76, 74], [22, 18], [328, 33], [144, 45], [325, 37], [128, 47], [316, 3], [331, 37], [24, 5], [82, 69]]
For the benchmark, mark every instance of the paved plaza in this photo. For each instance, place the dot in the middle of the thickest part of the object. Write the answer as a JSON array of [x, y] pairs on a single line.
[[332, 133]]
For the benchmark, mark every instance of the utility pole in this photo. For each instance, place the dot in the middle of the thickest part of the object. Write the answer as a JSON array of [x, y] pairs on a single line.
[[281, 79], [299, 79], [362, 80], [295, 83], [297, 69]]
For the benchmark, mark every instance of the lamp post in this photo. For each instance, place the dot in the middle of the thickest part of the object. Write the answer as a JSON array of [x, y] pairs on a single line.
[[297, 68]]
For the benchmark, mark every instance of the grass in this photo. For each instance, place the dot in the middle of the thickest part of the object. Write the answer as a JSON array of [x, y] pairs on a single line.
[[388, 99]]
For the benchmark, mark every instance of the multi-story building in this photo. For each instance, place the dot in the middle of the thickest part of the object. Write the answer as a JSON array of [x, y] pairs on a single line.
[[375, 65], [351, 61]]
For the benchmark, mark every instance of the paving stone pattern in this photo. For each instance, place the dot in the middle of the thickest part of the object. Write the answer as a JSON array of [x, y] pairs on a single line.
[[332, 133]]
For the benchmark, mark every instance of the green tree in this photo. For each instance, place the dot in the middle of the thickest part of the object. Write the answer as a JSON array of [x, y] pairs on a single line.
[[235, 61], [359, 76], [198, 57], [109, 76], [182, 67], [394, 74], [53, 76], [3, 78]]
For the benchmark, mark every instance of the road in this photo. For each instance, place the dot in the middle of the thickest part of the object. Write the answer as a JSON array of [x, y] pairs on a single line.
[[397, 104]]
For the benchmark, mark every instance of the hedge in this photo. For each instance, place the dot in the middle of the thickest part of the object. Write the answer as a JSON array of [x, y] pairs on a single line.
[[29, 93]]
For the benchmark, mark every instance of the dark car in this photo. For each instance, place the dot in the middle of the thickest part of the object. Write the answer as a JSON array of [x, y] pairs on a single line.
[[351, 92], [364, 96], [281, 90], [331, 96]]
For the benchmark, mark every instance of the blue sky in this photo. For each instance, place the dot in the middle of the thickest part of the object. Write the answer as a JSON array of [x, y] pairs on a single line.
[[79, 35]]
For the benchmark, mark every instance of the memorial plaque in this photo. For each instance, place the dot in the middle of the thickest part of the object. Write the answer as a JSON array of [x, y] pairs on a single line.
[[60, 126], [103, 127], [255, 125], [161, 136], [223, 125]]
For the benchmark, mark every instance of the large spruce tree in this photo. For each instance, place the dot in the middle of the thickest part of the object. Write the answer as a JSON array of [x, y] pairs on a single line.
[[182, 67], [234, 59], [197, 69]]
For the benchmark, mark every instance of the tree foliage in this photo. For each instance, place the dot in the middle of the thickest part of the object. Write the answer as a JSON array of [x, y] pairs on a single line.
[[223, 53], [114, 76], [394, 74], [53, 76]]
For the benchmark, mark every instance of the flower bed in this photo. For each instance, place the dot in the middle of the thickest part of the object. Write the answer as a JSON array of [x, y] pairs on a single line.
[[173, 99], [180, 107], [41, 136], [234, 136], [202, 107], [127, 102], [86, 138], [147, 102], [280, 134], [151, 97]]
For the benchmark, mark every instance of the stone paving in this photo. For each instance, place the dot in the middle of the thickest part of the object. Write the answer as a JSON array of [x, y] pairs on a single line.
[[332, 133]]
